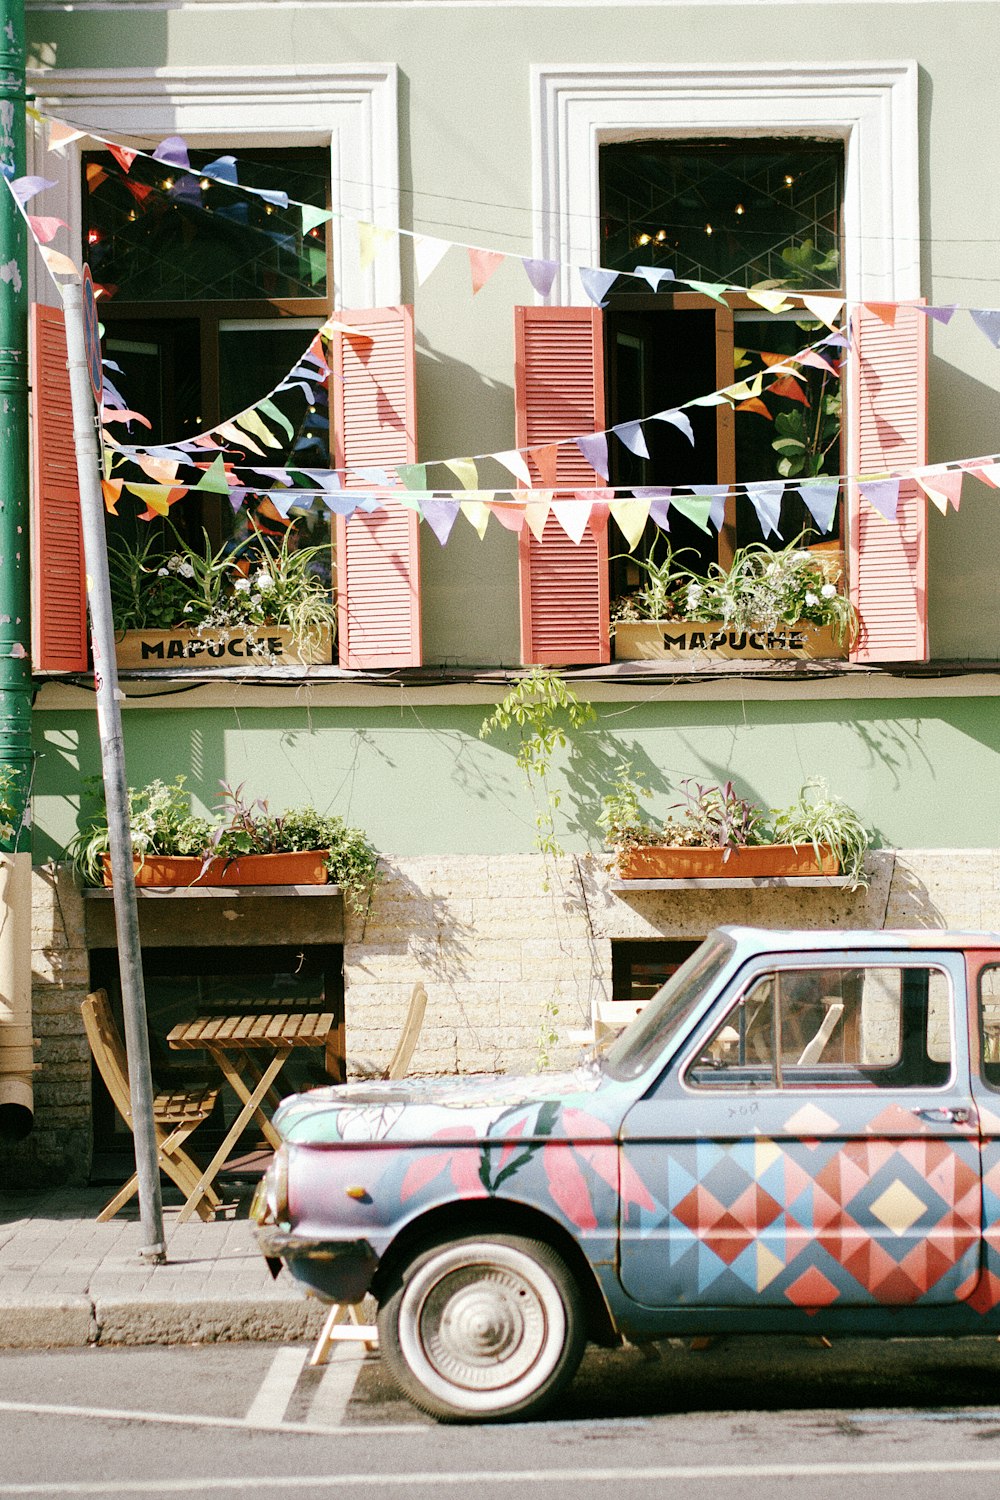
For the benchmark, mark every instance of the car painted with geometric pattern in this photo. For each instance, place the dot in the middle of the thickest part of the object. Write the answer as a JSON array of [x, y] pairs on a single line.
[[799, 1133]]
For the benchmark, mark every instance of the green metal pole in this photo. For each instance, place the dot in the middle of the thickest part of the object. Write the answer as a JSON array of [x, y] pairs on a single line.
[[15, 562]]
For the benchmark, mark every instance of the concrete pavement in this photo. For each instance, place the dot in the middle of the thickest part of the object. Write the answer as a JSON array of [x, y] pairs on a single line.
[[66, 1280]]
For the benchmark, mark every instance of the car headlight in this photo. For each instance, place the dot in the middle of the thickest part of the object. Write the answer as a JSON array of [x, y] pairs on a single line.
[[270, 1200]]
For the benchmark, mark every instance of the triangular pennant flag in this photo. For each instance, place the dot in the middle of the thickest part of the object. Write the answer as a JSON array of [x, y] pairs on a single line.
[[541, 274], [679, 420], [122, 416], [159, 469], [755, 404], [600, 509], [236, 497], [630, 516], [60, 135], [440, 516], [815, 361], [987, 320], [885, 311], [596, 282], [511, 516], [223, 169], [714, 398], [112, 492], [342, 503], [820, 499], [713, 289], [234, 434], [988, 473], [632, 435], [371, 475], [95, 175], [465, 471], [173, 151], [477, 513], [766, 498], [943, 489], [940, 314], [546, 461], [573, 516], [152, 509], [154, 496], [513, 462], [45, 229], [123, 156], [412, 476], [370, 241], [826, 309], [313, 217], [771, 301], [59, 264], [536, 511], [269, 409], [280, 200], [659, 508], [717, 494], [412, 500], [882, 495], [214, 478], [695, 510], [788, 387], [428, 253], [482, 264], [654, 275], [25, 188], [252, 422], [594, 447]]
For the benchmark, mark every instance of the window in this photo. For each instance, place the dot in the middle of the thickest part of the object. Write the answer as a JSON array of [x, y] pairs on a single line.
[[638, 969], [880, 1026], [989, 1023]]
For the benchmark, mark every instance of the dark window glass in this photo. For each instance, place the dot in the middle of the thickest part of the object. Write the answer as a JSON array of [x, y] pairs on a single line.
[[647, 1038]]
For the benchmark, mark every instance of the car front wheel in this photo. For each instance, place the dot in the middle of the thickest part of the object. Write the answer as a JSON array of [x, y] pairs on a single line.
[[483, 1329]]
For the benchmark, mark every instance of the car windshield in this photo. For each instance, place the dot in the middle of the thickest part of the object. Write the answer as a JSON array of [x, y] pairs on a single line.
[[648, 1035]]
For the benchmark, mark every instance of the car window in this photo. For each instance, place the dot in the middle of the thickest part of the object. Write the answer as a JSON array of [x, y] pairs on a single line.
[[641, 1043], [989, 1023], [865, 1026]]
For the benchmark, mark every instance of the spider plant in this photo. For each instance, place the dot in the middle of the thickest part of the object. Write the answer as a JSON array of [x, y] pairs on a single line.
[[818, 817]]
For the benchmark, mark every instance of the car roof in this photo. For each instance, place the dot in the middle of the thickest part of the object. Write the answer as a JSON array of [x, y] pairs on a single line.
[[771, 940]]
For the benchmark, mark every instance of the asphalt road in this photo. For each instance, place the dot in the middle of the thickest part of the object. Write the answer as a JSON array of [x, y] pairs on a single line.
[[783, 1417]]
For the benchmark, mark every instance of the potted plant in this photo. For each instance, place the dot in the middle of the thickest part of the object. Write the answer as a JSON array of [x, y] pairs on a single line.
[[246, 845], [787, 603], [246, 601], [717, 833]]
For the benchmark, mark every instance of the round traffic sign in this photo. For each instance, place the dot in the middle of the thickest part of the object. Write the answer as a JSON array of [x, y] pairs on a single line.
[[92, 336]]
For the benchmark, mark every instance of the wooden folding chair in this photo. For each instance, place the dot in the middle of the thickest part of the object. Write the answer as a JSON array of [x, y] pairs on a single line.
[[345, 1320], [176, 1113]]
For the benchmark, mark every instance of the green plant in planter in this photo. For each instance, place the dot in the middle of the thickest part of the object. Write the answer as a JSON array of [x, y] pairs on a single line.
[[763, 589], [817, 817], [160, 820]]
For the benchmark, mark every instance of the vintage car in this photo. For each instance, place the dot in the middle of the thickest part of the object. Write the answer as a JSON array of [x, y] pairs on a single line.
[[800, 1133]]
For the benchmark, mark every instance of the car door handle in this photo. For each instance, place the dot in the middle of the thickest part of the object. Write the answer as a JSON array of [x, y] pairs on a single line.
[[945, 1114]]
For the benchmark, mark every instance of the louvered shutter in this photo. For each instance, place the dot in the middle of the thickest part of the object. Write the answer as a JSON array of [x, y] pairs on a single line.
[[888, 426], [378, 555], [559, 392], [58, 587]]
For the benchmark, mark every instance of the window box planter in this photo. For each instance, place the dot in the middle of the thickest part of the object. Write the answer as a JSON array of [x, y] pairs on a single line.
[[670, 862], [186, 648], [297, 867], [710, 640]]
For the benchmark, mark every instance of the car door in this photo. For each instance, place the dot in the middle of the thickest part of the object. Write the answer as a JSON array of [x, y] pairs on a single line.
[[815, 1144], [984, 990]]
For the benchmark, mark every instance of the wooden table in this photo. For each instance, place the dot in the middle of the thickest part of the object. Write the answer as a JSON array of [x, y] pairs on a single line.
[[232, 1040]]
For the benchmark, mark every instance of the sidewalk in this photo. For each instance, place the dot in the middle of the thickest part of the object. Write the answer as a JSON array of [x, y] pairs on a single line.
[[67, 1280]]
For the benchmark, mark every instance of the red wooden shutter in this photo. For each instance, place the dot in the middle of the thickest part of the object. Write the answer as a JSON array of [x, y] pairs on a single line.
[[373, 402], [58, 586], [888, 426], [559, 392]]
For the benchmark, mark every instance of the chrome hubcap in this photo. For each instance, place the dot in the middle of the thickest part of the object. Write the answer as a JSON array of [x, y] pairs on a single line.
[[482, 1330]]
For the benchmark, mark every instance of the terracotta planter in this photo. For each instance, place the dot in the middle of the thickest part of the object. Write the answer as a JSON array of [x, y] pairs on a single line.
[[295, 868], [709, 640], [653, 862], [186, 648]]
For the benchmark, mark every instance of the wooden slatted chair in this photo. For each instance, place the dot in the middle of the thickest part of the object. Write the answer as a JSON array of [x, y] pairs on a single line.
[[346, 1320], [176, 1113]]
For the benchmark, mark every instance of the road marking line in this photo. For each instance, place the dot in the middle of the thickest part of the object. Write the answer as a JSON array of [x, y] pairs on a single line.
[[340, 1376], [190, 1419], [370, 1482], [277, 1387]]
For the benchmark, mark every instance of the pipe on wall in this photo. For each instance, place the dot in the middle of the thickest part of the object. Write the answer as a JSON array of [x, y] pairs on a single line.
[[17, 1057]]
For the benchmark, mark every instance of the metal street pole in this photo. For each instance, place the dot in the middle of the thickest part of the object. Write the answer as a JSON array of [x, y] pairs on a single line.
[[109, 727]]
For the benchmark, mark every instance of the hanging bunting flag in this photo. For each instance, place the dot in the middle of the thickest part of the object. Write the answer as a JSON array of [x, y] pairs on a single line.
[[25, 188], [815, 361], [659, 506], [370, 503], [372, 476], [600, 509], [536, 510], [440, 516], [428, 253], [477, 513], [755, 404], [186, 190], [654, 275], [342, 503], [541, 274], [153, 496], [45, 229], [839, 339], [940, 314], [60, 135], [546, 461], [882, 495], [280, 476], [96, 175], [313, 217], [412, 476], [173, 151], [513, 462], [111, 489], [713, 289], [123, 416], [236, 497], [630, 516], [214, 478], [738, 391], [573, 515], [252, 422], [987, 320], [280, 200], [988, 473], [676, 419], [234, 434], [789, 387], [943, 489], [886, 311], [594, 447], [140, 190], [632, 435], [159, 469], [714, 398], [596, 282], [122, 155], [820, 499], [511, 516], [413, 500], [766, 498], [370, 241], [223, 169], [826, 309], [696, 510], [717, 494], [483, 264], [771, 301], [465, 471], [269, 409]]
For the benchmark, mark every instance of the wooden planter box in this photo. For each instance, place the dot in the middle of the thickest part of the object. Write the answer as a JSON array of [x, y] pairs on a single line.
[[655, 862], [705, 640], [294, 868], [186, 648]]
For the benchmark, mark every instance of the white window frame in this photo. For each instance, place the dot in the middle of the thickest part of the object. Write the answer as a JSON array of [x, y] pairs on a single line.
[[871, 107], [351, 110]]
